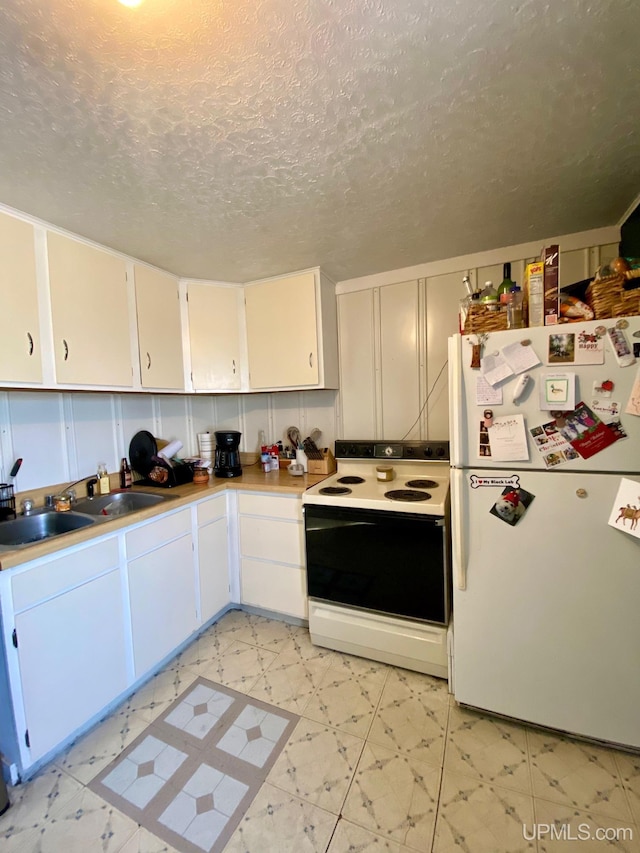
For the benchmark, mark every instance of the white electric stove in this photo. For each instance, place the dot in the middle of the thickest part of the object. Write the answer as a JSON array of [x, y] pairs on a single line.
[[378, 553]]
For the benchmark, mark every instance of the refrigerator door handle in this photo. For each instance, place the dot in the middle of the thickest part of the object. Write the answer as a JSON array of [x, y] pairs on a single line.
[[459, 555]]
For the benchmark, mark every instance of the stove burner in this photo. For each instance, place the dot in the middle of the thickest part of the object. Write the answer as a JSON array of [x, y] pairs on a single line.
[[421, 484], [407, 495], [350, 480], [335, 490]]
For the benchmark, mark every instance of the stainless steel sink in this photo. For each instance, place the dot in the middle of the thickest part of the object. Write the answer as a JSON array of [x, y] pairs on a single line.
[[27, 529], [119, 503]]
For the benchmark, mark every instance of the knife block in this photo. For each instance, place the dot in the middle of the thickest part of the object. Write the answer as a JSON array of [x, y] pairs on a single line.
[[326, 465]]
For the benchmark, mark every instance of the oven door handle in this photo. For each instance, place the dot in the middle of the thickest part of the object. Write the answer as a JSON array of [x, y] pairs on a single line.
[[457, 532]]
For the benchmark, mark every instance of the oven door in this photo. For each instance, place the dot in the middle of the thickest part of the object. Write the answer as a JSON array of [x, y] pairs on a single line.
[[388, 562]]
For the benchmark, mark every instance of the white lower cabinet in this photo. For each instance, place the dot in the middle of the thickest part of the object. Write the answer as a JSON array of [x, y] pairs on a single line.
[[70, 640], [162, 592], [81, 627], [213, 556], [272, 572]]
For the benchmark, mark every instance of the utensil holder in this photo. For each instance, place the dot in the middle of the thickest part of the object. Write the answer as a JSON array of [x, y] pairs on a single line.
[[7, 501]]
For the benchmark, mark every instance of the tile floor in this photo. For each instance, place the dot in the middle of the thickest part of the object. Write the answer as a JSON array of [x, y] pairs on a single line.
[[381, 760]]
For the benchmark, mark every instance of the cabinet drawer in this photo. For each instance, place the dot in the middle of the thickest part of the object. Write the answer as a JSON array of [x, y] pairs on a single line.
[[212, 509], [268, 539], [273, 506], [65, 572], [156, 533], [282, 589]]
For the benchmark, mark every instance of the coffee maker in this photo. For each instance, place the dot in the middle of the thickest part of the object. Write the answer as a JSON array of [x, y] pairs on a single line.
[[227, 458]]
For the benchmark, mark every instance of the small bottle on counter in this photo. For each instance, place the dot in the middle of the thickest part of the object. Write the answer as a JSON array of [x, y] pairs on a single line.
[[104, 487], [125, 474]]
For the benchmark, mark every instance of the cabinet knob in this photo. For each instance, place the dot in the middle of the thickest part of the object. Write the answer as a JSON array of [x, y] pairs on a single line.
[[30, 339], [581, 493], [66, 349]]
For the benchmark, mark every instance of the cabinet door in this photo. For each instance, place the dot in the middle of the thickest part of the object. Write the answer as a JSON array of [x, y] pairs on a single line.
[[357, 363], [163, 602], [71, 651], [214, 337], [400, 360], [20, 359], [282, 338], [159, 329], [90, 314], [213, 565]]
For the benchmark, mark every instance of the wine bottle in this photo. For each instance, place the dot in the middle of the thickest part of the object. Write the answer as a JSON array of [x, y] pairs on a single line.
[[504, 289]]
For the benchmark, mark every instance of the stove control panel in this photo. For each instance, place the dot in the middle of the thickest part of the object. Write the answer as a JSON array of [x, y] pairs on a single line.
[[433, 451]]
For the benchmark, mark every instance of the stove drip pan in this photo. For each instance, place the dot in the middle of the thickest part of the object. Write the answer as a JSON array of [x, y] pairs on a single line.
[[421, 484], [407, 495], [350, 480], [335, 490]]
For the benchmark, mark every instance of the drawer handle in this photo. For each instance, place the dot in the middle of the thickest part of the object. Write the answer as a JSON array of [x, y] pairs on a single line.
[[30, 339], [148, 362], [233, 364], [310, 359], [66, 349]]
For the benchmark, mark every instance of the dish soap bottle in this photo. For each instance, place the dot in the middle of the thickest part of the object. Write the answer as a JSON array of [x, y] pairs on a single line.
[[125, 474], [104, 486]]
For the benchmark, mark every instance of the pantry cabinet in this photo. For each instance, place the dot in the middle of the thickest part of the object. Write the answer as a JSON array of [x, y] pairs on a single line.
[[214, 337], [20, 341], [213, 556], [271, 542], [159, 329], [292, 332], [90, 314], [382, 365], [70, 641], [162, 592]]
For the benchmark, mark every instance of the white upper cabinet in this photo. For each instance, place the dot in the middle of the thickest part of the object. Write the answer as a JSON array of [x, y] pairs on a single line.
[[214, 336], [20, 354], [159, 329], [292, 332], [90, 314]]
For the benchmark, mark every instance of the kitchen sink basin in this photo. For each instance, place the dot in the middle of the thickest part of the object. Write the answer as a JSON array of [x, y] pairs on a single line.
[[27, 529], [119, 503]]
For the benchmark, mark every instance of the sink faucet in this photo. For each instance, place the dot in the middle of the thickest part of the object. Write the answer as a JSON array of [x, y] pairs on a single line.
[[68, 490]]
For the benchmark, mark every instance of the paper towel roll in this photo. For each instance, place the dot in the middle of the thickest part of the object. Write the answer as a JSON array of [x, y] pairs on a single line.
[[171, 449]]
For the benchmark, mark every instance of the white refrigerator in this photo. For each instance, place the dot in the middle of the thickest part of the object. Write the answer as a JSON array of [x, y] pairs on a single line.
[[546, 611]]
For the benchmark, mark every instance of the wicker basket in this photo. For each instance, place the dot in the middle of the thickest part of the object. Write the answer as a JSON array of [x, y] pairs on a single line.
[[608, 298], [481, 319]]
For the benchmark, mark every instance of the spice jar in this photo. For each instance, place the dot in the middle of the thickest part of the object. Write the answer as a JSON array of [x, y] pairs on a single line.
[[62, 503]]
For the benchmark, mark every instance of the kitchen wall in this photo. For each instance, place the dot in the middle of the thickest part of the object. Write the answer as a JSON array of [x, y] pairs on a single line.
[[62, 436], [393, 331]]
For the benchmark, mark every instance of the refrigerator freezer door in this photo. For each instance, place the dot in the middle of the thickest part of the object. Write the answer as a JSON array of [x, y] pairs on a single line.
[[547, 628], [466, 414]]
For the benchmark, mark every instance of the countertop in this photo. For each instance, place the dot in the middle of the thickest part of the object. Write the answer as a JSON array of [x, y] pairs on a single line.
[[252, 479]]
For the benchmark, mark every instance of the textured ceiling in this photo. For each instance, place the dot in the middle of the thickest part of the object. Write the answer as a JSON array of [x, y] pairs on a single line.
[[236, 139]]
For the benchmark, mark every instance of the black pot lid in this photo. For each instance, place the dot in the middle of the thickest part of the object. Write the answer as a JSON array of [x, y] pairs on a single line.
[[142, 449]]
